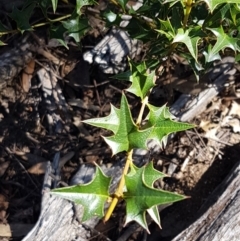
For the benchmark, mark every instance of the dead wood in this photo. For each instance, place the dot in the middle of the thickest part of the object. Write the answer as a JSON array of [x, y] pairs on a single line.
[[13, 61], [219, 217], [57, 220], [187, 107]]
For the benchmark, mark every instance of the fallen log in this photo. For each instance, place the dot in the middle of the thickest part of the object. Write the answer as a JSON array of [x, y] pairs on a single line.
[[219, 217], [57, 219]]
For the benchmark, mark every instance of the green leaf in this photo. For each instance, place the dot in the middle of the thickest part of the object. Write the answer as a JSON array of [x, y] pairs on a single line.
[[76, 27], [234, 11], [122, 3], [92, 196], [81, 3], [214, 19], [123, 76], [172, 2], [163, 125], [3, 29], [57, 32], [191, 42], [196, 67], [142, 82], [21, 17], [209, 56], [2, 43], [166, 29], [126, 133], [223, 41], [237, 58], [212, 4], [150, 176], [54, 5], [110, 122], [127, 136], [110, 16], [140, 197], [44, 5]]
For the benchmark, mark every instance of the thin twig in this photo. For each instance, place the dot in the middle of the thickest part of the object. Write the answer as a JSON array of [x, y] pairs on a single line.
[[200, 137], [120, 91], [97, 84], [98, 97], [220, 141], [20, 164]]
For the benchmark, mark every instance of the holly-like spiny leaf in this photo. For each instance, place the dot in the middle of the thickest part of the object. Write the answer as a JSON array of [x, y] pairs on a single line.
[[166, 29], [123, 3], [81, 3], [123, 75], [126, 133], [209, 56], [57, 32], [163, 125], [76, 27], [44, 5], [142, 82], [191, 42], [212, 4], [2, 43], [110, 122], [128, 136], [223, 41], [150, 176], [21, 17], [54, 5], [213, 20], [140, 197], [92, 196]]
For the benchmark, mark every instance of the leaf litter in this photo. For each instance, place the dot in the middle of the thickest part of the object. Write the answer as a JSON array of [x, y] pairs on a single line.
[[19, 116]]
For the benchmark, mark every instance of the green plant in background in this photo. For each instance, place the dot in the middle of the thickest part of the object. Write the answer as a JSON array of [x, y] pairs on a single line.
[[197, 30], [200, 31], [136, 184]]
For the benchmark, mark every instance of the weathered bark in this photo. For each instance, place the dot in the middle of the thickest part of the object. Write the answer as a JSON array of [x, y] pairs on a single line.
[[187, 107], [57, 220], [219, 218], [13, 61]]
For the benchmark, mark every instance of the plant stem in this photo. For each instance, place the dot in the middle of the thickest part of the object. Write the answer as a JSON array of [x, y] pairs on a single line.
[[38, 25], [188, 5], [119, 192], [52, 21], [139, 119]]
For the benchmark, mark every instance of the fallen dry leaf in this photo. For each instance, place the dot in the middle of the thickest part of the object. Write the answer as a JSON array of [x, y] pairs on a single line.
[[233, 122], [207, 125], [38, 169], [15, 229], [235, 109], [3, 167], [27, 76], [212, 133], [3, 209]]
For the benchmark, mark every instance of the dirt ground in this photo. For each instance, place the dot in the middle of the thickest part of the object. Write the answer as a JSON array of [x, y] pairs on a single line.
[[196, 160]]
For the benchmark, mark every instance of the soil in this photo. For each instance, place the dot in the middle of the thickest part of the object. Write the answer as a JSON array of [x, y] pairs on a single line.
[[26, 139]]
